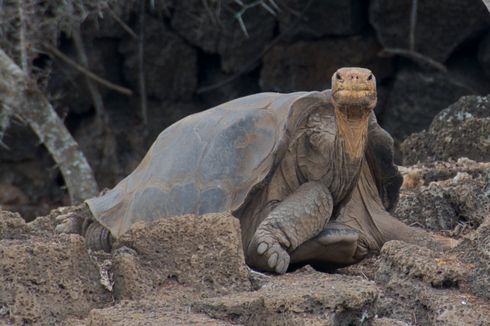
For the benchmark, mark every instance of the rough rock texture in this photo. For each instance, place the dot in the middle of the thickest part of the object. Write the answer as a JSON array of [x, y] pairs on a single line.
[[321, 298], [420, 263], [441, 25], [461, 130], [446, 196], [410, 276], [43, 280], [170, 63], [416, 97], [213, 27], [209, 259], [310, 64], [484, 54], [475, 250], [349, 18], [145, 312]]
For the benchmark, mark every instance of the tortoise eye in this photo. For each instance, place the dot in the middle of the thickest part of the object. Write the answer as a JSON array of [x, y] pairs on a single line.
[[370, 77], [338, 77]]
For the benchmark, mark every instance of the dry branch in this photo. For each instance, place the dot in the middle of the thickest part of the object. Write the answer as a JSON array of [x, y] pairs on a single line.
[[57, 53], [23, 96]]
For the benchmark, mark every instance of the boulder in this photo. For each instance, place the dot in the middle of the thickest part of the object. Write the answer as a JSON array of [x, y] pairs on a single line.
[[475, 251], [416, 97], [214, 27], [440, 27], [445, 196], [43, 281], [461, 130], [304, 297], [202, 252], [321, 18], [146, 312], [170, 64], [421, 287], [309, 65]]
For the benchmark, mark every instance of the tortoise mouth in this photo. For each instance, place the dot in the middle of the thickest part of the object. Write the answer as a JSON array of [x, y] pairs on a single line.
[[362, 98]]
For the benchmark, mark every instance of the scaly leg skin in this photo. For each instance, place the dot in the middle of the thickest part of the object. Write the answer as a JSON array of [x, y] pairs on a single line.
[[336, 246], [73, 221], [298, 218]]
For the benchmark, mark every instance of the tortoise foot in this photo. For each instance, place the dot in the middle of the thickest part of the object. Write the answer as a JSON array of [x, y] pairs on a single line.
[[267, 254], [69, 223]]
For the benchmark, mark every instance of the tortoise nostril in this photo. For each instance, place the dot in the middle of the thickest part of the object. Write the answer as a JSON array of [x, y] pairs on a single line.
[[370, 77]]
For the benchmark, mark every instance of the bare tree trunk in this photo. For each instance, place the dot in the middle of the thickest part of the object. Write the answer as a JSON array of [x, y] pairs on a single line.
[[23, 96]]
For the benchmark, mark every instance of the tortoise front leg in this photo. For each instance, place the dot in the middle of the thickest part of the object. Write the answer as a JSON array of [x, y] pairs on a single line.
[[298, 218]]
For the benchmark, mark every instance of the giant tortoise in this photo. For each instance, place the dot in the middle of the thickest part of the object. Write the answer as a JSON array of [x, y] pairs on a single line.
[[310, 175]]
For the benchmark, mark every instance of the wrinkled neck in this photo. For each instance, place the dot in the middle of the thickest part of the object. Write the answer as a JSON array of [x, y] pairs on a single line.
[[352, 130]]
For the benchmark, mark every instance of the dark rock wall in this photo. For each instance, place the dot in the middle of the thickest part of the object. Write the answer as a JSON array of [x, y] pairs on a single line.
[[192, 45]]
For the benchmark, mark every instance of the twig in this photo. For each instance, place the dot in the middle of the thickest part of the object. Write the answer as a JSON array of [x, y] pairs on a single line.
[[141, 67], [22, 37], [123, 24], [100, 80], [415, 56], [413, 23], [249, 66], [92, 88]]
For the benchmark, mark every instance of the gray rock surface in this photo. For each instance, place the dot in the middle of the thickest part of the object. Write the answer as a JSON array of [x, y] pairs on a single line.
[[416, 97], [43, 280], [309, 65], [461, 130], [212, 26], [447, 196], [170, 63], [321, 18], [475, 251], [441, 25], [201, 252]]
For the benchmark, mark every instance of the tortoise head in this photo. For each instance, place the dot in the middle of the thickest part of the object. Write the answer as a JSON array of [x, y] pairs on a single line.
[[354, 89]]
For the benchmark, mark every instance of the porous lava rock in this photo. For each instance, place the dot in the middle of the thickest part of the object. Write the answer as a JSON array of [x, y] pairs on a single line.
[[309, 65], [45, 280], [461, 130], [214, 27], [440, 26], [445, 195], [416, 97], [202, 252]]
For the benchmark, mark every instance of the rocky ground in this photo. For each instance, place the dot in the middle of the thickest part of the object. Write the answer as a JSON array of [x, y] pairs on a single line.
[[191, 270]]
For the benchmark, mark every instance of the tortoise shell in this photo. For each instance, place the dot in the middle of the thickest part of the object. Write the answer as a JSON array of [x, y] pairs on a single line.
[[207, 162]]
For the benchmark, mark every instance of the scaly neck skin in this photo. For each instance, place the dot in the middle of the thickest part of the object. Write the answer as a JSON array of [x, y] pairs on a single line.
[[352, 130]]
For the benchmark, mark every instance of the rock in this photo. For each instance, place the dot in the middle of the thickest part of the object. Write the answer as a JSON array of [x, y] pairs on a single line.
[[411, 106], [42, 281], [484, 54], [475, 250], [203, 252], [170, 64], [409, 274], [298, 298], [13, 226], [70, 85], [461, 130], [321, 18], [441, 26], [445, 196], [212, 26], [20, 141], [388, 322], [309, 65], [146, 312], [411, 261]]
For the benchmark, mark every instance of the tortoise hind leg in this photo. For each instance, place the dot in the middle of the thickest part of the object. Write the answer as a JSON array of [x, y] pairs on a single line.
[[97, 237], [336, 246]]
